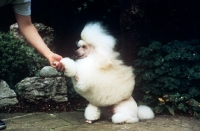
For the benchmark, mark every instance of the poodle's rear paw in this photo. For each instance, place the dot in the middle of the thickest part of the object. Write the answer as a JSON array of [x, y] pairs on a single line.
[[120, 118], [89, 121]]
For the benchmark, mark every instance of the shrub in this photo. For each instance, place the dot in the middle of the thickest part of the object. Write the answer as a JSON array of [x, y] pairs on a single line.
[[13, 59], [38, 61], [17, 60], [169, 76]]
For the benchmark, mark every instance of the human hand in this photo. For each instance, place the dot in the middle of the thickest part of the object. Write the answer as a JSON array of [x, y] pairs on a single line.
[[54, 60]]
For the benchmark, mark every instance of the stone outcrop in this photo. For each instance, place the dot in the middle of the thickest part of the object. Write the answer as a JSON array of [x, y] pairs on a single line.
[[50, 86], [7, 95], [36, 89]]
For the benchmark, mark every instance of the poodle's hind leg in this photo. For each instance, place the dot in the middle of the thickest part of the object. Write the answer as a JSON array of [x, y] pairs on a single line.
[[92, 113], [121, 118], [125, 112]]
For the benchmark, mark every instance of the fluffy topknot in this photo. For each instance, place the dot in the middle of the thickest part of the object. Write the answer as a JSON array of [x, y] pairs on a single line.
[[95, 34]]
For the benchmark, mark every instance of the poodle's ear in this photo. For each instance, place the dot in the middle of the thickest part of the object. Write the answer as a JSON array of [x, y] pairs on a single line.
[[104, 61]]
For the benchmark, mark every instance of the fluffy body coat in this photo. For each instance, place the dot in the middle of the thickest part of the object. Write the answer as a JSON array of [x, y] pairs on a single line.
[[101, 78]]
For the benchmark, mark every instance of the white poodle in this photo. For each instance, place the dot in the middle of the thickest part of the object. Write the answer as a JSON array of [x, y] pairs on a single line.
[[101, 78]]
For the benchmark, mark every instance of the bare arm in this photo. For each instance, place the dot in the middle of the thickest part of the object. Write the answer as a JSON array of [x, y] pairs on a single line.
[[33, 37]]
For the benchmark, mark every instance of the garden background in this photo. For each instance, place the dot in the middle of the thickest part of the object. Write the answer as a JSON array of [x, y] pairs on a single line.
[[159, 38]]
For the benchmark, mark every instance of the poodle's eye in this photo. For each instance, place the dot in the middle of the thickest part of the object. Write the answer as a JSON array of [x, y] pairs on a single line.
[[84, 47]]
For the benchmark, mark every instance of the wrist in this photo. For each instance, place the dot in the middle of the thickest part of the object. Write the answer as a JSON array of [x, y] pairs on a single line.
[[48, 55]]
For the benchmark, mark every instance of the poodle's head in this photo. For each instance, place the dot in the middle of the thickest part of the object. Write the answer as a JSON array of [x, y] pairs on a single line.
[[97, 41], [84, 50]]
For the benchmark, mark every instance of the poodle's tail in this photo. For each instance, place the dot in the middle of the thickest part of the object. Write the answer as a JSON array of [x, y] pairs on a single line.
[[145, 112]]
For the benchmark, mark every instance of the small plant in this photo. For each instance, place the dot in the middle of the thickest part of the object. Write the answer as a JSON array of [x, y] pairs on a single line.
[[13, 59], [38, 61], [17, 60], [169, 75]]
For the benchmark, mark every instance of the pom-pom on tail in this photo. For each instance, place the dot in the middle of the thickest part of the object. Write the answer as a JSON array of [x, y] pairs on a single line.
[[145, 112]]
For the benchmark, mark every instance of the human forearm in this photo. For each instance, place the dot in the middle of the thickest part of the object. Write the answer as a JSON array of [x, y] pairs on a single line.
[[35, 40], [32, 36]]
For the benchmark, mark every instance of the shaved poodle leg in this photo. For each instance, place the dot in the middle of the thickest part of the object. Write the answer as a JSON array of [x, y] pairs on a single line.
[[92, 113]]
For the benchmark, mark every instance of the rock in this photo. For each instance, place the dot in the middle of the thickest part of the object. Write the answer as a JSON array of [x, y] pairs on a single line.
[[7, 95], [49, 71], [39, 89]]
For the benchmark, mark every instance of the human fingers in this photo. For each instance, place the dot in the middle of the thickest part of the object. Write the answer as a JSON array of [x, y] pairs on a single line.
[[54, 64]]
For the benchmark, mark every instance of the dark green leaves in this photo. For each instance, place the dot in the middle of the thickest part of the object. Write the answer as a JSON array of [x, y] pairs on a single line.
[[171, 69], [17, 60]]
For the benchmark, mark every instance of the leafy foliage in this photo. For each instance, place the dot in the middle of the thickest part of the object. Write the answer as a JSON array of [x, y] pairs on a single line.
[[38, 61], [12, 58], [17, 60], [169, 75]]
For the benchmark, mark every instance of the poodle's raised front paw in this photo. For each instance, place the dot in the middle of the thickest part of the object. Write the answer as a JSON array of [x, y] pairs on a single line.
[[89, 121], [70, 67]]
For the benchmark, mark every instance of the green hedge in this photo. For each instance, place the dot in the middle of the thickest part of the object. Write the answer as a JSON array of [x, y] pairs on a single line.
[[169, 76], [17, 60]]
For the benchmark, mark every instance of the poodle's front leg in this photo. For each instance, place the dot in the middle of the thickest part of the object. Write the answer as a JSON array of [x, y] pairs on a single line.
[[70, 67], [92, 113]]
